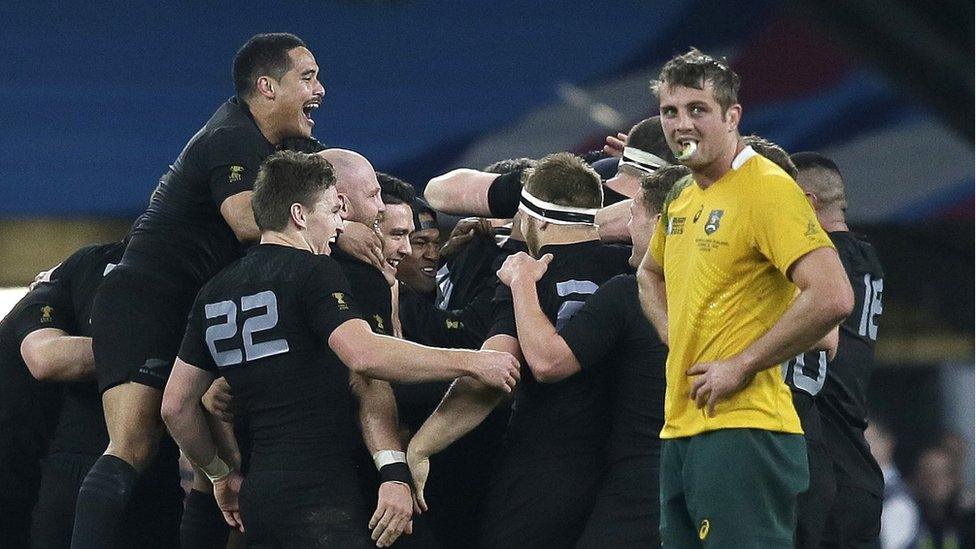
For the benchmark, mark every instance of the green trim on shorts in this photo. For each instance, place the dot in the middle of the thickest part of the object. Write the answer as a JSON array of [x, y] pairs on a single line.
[[732, 488]]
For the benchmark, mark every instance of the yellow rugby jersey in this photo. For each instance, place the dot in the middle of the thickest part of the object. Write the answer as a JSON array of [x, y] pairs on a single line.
[[725, 252]]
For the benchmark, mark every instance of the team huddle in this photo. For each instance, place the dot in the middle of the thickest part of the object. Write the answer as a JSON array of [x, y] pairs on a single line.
[[666, 342]]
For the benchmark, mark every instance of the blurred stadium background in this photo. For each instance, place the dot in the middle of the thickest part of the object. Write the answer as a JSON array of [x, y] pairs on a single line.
[[99, 98]]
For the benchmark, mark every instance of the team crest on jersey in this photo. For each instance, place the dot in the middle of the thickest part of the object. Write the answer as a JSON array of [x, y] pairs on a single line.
[[236, 174], [811, 228], [341, 301], [676, 225], [714, 219], [46, 313]]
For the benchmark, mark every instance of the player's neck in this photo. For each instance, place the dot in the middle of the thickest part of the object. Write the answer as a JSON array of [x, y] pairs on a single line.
[[833, 222], [706, 176], [285, 239], [264, 118], [568, 234]]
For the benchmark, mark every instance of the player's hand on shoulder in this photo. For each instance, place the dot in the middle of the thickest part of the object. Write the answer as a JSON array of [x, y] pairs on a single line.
[[219, 401], [363, 243], [522, 266], [393, 515], [496, 369], [227, 493], [717, 381]]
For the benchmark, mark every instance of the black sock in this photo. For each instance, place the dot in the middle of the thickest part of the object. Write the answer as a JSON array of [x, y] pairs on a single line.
[[101, 503], [203, 525]]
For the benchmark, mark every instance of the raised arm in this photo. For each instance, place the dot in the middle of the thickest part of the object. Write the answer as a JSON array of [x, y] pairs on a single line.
[[612, 220], [236, 211], [52, 354], [546, 353], [460, 192]]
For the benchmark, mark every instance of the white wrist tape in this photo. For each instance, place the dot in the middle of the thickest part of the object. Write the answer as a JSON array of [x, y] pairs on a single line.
[[216, 469], [386, 457]]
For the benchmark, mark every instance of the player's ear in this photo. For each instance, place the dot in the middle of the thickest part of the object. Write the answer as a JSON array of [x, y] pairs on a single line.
[[266, 87], [733, 116], [297, 212]]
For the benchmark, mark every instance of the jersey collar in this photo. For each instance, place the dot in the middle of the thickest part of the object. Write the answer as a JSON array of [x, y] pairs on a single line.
[[743, 156]]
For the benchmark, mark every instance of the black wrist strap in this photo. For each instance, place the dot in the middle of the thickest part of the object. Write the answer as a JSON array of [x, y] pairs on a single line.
[[397, 472]]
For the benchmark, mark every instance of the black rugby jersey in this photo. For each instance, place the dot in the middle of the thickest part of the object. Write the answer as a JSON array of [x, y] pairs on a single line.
[[833, 395], [843, 400], [264, 324], [81, 426], [28, 408], [374, 299], [611, 333], [182, 236], [571, 416]]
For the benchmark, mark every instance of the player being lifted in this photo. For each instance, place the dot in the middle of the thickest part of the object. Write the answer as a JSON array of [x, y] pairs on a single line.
[[283, 328]]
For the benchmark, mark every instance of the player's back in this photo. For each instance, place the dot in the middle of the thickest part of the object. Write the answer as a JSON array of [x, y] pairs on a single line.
[[843, 400], [259, 323], [182, 232]]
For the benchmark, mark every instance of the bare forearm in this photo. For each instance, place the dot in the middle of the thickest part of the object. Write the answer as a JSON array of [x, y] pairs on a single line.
[[804, 326], [546, 353], [59, 358], [653, 300], [612, 222], [378, 419], [189, 428], [467, 403], [401, 361]]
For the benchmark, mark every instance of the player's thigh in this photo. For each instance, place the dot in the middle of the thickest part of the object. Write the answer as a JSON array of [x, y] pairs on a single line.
[[813, 505], [742, 484], [137, 326], [133, 422], [854, 520], [676, 526], [627, 508]]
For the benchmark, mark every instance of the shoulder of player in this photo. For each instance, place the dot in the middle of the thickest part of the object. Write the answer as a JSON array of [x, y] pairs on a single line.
[[680, 187], [764, 175]]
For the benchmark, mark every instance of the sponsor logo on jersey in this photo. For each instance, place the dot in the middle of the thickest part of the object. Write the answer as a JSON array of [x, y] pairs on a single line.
[[703, 529], [379, 324], [236, 174], [676, 225], [46, 313], [714, 219], [453, 324], [341, 301], [698, 214]]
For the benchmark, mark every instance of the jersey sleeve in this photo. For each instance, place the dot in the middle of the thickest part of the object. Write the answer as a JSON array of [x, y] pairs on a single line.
[[233, 159], [46, 306], [785, 225], [503, 313], [193, 349], [329, 301], [595, 330], [656, 246], [504, 193]]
